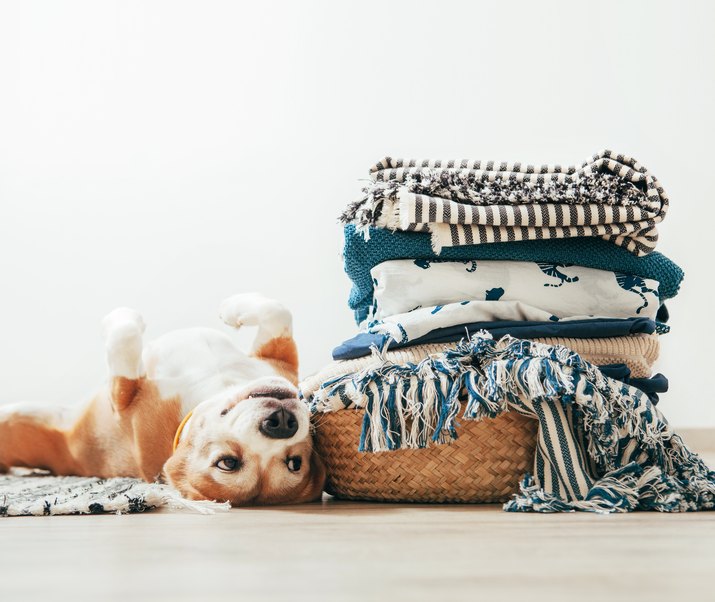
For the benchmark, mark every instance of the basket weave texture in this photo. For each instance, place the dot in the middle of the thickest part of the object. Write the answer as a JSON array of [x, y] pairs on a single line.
[[484, 465], [486, 462]]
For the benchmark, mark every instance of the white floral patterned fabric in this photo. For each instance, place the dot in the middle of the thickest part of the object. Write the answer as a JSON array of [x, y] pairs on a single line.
[[546, 291]]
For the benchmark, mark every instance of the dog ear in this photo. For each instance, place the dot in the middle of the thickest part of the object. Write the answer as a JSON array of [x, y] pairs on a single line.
[[174, 473], [314, 489]]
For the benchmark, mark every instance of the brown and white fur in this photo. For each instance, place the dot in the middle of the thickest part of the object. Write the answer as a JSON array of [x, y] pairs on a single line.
[[246, 442]]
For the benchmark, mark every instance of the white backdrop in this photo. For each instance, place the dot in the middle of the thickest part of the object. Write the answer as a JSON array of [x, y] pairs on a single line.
[[164, 155]]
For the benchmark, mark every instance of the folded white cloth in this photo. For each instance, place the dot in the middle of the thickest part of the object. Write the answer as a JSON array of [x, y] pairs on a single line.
[[417, 323], [510, 290]]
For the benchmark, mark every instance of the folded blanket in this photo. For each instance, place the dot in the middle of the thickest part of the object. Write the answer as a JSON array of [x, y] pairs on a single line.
[[466, 202], [411, 325], [602, 446], [638, 352], [554, 288], [362, 255], [651, 386], [362, 343]]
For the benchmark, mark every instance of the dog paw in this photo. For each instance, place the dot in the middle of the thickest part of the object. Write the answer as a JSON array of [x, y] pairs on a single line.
[[123, 322], [123, 329], [251, 309]]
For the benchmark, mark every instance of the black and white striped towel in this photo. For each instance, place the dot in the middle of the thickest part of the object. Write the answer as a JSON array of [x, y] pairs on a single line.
[[471, 202]]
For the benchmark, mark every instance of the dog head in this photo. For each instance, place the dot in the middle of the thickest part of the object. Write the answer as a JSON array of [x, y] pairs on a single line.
[[248, 446]]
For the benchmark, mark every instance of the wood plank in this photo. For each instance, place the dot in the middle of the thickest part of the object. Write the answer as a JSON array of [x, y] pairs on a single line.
[[358, 551]]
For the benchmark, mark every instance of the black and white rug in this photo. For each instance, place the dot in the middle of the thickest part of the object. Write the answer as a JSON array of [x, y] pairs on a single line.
[[36, 494]]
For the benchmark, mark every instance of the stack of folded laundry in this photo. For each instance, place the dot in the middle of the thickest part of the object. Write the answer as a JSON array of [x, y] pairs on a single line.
[[482, 287]]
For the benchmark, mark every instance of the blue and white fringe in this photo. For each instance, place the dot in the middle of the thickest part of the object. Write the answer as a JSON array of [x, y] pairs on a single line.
[[601, 447]]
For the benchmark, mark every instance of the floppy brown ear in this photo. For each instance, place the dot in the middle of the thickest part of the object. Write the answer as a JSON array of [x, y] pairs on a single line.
[[314, 488], [174, 473]]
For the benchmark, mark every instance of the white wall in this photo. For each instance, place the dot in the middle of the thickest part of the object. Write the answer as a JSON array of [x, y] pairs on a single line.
[[166, 154]]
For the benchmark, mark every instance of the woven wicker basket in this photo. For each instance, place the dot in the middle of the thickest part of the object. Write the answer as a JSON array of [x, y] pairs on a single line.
[[483, 465]]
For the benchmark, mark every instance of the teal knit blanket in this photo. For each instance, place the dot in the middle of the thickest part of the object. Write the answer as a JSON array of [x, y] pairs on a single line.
[[361, 255]]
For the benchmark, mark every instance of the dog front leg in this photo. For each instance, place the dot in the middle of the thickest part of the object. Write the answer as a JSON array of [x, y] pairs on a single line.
[[123, 329]]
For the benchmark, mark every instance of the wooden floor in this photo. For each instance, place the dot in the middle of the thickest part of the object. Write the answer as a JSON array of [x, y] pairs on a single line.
[[349, 551]]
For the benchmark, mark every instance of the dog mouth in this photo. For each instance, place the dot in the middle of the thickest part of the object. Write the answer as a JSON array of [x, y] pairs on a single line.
[[277, 393], [280, 411], [274, 418], [275, 411]]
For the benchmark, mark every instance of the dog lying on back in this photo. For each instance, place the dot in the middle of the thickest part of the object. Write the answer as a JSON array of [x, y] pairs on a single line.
[[188, 408]]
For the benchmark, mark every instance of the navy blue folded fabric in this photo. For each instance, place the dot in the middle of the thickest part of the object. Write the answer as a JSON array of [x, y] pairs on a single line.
[[360, 345], [650, 386]]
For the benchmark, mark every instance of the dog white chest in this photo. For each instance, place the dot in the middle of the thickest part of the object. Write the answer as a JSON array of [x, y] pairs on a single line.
[[198, 363]]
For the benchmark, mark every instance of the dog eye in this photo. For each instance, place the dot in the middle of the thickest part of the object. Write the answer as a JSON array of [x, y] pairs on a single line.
[[294, 463], [228, 464]]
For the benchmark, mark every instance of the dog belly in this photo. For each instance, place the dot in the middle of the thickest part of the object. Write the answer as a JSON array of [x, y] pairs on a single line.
[[195, 364]]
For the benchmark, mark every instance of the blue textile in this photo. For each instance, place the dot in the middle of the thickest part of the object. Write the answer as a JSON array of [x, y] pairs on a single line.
[[657, 383], [360, 345], [362, 255], [602, 445]]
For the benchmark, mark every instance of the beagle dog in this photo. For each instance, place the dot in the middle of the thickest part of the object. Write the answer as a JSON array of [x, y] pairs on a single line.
[[188, 409]]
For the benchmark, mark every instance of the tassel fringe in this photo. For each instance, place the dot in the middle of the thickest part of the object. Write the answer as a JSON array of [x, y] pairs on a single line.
[[640, 463]]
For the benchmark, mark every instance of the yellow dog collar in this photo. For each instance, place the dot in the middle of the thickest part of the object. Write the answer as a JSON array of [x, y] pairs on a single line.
[[177, 436]]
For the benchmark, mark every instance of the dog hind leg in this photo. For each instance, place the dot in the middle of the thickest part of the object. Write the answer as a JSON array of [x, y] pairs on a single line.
[[274, 338], [34, 435]]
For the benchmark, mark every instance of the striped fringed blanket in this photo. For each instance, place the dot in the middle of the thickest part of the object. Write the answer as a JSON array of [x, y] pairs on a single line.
[[602, 445], [639, 352], [362, 255], [468, 202]]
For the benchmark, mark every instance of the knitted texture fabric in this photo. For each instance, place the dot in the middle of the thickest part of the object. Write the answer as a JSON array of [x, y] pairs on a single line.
[[464, 202], [602, 446], [639, 352], [361, 254]]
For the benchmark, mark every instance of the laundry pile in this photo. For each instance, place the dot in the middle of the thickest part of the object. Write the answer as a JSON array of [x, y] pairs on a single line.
[[481, 288]]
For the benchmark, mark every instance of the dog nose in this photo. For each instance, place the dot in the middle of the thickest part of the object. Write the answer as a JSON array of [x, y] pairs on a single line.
[[281, 424]]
